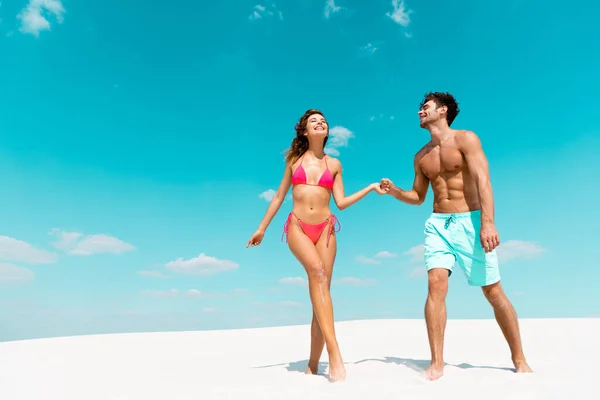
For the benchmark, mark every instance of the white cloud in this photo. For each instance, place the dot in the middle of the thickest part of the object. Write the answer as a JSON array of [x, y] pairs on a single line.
[[201, 265], [368, 48], [400, 15], [356, 281], [417, 253], [373, 260], [381, 116], [88, 245], [332, 152], [418, 272], [331, 8], [198, 294], [17, 250], [367, 260], [386, 254], [161, 293], [12, 273], [153, 274], [338, 137], [515, 249], [94, 244], [297, 281], [292, 304], [208, 310], [33, 16], [65, 239], [191, 293], [259, 11], [267, 195]]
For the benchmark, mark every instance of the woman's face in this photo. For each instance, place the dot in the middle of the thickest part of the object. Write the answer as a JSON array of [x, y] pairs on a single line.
[[316, 126]]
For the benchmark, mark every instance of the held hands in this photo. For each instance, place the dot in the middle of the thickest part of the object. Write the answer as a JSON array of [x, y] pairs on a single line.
[[256, 238], [377, 187], [489, 237], [387, 185]]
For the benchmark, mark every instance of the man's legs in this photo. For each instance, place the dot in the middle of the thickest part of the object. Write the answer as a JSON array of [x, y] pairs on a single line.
[[482, 269], [435, 318], [506, 317], [439, 260]]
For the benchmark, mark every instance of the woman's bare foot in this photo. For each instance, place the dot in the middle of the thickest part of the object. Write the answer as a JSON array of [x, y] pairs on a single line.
[[313, 368], [434, 371], [521, 366], [337, 371]]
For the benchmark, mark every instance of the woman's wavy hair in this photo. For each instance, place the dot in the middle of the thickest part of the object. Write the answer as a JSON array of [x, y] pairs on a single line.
[[300, 142]]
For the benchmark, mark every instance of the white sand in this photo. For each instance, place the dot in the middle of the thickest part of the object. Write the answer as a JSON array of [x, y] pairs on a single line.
[[384, 360]]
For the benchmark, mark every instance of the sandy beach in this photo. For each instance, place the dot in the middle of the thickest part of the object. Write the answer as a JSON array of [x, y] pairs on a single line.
[[384, 359]]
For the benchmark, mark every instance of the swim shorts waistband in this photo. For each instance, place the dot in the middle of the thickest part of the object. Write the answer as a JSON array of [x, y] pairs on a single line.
[[466, 214]]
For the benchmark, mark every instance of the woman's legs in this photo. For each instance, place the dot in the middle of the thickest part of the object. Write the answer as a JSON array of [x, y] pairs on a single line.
[[318, 263], [317, 341]]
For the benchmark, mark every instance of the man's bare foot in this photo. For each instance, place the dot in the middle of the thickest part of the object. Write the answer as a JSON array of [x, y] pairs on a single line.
[[337, 371], [313, 368], [522, 366], [434, 371]]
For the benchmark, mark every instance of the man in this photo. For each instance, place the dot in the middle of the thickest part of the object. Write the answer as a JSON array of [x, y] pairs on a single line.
[[461, 228]]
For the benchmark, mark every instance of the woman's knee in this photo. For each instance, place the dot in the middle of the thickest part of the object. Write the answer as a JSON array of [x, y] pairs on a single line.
[[317, 272]]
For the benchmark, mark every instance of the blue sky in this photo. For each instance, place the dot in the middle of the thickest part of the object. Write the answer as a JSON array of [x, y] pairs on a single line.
[[140, 144]]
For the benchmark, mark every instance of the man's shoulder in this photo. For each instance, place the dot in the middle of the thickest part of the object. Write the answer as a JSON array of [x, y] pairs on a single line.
[[423, 150], [466, 138]]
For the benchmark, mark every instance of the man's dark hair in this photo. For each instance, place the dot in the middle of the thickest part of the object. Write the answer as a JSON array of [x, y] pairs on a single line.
[[443, 99]]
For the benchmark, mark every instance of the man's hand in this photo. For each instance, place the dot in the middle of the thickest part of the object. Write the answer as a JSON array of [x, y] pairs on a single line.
[[489, 237], [387, 185]]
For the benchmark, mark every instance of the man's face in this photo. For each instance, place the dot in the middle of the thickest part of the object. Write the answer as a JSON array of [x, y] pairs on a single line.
[[430, 113]]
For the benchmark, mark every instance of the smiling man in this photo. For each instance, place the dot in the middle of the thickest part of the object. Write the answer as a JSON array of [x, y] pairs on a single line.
[[461, 228]]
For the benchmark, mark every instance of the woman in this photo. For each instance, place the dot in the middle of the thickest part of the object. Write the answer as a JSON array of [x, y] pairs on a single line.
[[310, 227]]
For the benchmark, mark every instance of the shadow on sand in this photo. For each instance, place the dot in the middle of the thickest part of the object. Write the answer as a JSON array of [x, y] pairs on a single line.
[[298, 366], [415, 365], [421, 365]]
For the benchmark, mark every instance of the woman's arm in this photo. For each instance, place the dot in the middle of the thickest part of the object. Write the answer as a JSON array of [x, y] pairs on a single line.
[[341, 200], [277, 200]]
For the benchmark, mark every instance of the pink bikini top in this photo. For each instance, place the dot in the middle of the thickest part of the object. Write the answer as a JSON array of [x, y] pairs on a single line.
[[299, 176]]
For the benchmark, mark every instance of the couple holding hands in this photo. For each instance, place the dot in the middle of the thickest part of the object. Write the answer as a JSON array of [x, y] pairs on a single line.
[[460, 229]]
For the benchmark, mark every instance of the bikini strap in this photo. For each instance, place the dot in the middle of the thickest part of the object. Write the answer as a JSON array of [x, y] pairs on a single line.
[[332, 221], [302, 158], [286, 227]]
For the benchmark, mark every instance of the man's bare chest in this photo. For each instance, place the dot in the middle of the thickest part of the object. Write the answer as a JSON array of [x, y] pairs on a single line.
[[441, 160]]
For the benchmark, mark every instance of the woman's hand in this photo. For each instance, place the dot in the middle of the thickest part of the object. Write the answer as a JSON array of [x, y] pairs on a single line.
[[256, 238], [377, 187]]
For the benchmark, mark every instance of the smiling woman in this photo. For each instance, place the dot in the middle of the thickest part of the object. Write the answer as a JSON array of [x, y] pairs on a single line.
[[314, 177]]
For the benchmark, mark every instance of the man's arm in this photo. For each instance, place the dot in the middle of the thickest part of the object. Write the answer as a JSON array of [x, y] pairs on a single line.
[[477, 162], [415, 196]]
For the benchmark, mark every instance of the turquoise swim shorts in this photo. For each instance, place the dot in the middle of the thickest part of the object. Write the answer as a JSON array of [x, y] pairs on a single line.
[[454, 238]]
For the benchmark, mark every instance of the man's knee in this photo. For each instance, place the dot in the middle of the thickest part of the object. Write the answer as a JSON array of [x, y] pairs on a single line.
[[495, 295], [438, 283]]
